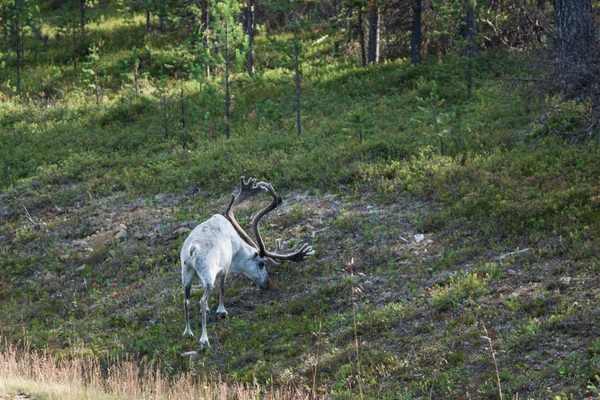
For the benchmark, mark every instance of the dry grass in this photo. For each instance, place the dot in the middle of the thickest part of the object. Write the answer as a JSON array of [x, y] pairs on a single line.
[[48, 376]]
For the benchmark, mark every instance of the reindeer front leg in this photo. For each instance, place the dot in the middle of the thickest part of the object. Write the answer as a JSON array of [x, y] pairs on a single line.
[[204, 305], [187, 276]]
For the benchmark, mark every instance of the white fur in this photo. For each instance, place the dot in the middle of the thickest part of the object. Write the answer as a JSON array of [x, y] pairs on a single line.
[[214, 249]]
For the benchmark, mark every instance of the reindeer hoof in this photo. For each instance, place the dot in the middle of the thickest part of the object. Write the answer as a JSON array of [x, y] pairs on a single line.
[[204, 344], [188, 332], [221, 314]]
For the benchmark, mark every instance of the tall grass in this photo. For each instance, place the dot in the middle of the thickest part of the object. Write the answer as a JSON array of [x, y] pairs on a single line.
[[49, 376]]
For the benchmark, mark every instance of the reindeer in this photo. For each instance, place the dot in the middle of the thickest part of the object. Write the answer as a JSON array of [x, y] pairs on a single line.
[[219, 246]]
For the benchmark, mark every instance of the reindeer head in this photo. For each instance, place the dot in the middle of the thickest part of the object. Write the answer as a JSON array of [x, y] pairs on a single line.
[[256, 268]]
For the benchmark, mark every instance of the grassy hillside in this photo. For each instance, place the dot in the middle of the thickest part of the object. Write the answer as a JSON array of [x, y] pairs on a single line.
[[96, 200]]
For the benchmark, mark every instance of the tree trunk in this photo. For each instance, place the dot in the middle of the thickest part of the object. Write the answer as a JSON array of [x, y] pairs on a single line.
[[471, 42], [373, 34], [361, 37], [82, 18], [5, 29], [182, 107], [227, 101], [16, 33], [297, 67], [74, 26], [415, 43], [250, 32], [575, 40], [165, 114], [148, 15], [163, 15]]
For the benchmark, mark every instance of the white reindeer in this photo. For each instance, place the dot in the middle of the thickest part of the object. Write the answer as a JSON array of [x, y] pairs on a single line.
[[219, 246]]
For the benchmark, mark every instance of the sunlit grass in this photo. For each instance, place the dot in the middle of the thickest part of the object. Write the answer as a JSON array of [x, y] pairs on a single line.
[[79, 377]]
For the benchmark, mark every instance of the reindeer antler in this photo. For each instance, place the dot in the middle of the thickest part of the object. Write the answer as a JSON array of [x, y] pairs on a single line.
[[247, 190], [297, 255]]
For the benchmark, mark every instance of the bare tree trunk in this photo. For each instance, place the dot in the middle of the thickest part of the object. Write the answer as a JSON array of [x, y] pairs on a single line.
[[74, 45], [165, 114], [5, 29], [204, 20], [361, 37], [163, 16], [415, 43], [16, 33], [373, 56], [135, 80], [182, 107], [204, 25], [227, 100], [250, 32], [82, 18], [575, 40], [148, 16], [297, 67], [471, 42]]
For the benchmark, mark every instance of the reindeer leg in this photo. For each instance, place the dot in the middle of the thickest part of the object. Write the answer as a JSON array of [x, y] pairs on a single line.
[[186, 311], [187, 278], [204, 304], [221, 311]]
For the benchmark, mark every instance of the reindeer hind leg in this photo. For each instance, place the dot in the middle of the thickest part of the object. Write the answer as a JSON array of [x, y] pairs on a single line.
[[187, 278]]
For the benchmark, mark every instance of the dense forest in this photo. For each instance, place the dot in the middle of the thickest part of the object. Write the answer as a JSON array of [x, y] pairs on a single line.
[[441, 157]]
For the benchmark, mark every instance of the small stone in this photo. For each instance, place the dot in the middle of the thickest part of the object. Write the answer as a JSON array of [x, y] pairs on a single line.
[[80, 269], [122, 232], [50, 276], [564, 281], [181, 231], [511, 272], [138, 235], [81, 244], [447, 275], [191, 224], [380, 280]]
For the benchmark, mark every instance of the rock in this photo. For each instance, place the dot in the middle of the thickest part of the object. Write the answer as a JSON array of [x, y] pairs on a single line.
[[80, 269], [50, 276], [565, 281], [122, 232], [447, 275], [81, 244], [191, 224], [380, 280], [191, 354], [561, 284], [511, 272], [181, 231]]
